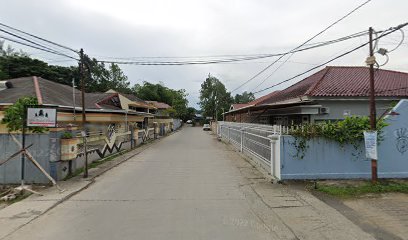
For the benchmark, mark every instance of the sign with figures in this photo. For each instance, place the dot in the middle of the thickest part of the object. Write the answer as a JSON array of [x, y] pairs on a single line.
[[370, 140], [41, 117]]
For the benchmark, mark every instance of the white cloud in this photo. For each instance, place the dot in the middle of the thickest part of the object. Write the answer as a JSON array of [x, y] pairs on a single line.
[[191, 27]]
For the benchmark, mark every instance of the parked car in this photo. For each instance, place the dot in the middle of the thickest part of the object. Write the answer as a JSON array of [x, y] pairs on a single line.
[[189, 122], [206, 127]]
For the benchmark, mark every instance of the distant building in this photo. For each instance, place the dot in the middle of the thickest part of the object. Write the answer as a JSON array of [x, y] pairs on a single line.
[[161, 108], [132, 103]]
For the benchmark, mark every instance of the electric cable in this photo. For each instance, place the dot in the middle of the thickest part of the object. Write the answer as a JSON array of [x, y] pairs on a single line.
[[227, 60], [36, 47], [310, 39], [27, 40], [40, 38], [385, 33]]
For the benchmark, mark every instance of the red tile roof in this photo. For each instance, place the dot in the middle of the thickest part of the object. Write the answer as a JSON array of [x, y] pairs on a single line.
[[239, 105], [255, 102], [345, 82], [262, 99]]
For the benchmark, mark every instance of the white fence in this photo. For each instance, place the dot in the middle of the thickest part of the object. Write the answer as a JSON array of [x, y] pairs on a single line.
[[255, 140]]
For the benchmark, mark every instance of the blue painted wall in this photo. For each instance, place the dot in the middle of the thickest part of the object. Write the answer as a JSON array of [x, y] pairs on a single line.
[[325, 159], [393, 152]]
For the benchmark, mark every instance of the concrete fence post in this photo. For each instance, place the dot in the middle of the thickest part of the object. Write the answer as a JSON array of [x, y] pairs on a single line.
[[229, 130], [242, 140], [275, 156]]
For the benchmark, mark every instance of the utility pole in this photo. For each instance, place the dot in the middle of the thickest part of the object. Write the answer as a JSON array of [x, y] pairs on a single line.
[[73, 97], [81, 75], [371, 61]]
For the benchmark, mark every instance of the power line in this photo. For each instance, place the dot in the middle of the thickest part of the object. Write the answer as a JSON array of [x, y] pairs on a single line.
[[280, 65], [36, 47], [385, 33], [359, 34], [310, 39], [31, 42], [229, 60], [40, 38]]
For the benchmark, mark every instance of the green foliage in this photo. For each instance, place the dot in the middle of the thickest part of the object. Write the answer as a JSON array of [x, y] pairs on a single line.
[[366, 188], [158, 92], [67, 135], [214, 98], [245, 97], [101, 78], [171, 112], [14, 115], [347, 131], [190, 114], [98, 77]]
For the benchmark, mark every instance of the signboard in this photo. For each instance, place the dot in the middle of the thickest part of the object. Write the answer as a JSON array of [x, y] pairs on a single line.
[[41, 117], [370, 140]]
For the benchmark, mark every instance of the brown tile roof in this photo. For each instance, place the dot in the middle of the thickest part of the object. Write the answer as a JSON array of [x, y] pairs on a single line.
[[335, 81], [159, 105], [52, 93]]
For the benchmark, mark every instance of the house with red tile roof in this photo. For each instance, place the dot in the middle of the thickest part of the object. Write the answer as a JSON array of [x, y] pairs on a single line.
[[329, 94]]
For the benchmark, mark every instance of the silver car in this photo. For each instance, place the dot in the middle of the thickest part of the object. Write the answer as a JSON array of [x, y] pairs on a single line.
[[206, 127]]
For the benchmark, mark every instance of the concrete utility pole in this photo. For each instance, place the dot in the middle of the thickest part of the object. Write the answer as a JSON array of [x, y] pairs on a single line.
[[81, 75], [371, 61]]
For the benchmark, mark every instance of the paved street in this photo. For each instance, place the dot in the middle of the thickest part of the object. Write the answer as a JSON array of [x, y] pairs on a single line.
[[189, 186]]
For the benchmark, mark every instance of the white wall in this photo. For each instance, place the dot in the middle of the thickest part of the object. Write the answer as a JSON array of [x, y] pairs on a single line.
[[355, 107]]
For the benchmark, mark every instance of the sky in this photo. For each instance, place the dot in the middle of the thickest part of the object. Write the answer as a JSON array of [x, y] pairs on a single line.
[[184, 28]]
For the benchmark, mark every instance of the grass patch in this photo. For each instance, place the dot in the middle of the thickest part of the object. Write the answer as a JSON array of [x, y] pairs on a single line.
[[18, 198], [346, 191]]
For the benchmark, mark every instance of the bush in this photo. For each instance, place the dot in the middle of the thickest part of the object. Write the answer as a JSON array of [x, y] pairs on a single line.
[[67, 135], [347, 131]]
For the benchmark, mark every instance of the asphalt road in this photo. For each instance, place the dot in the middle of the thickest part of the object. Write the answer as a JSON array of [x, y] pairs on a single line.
[[184, 187]]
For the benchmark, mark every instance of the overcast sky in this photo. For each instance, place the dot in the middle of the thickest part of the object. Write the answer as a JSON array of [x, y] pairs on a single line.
[[159, 28]]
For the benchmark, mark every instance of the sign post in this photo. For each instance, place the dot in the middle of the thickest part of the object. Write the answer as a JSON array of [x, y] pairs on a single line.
[[35, 117]]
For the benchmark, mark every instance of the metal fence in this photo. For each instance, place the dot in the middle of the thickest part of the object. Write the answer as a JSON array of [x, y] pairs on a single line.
[[251, 139]]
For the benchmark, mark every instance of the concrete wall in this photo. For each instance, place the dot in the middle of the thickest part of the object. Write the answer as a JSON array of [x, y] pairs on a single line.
[[176, 124], [393, 151], [325, 159], [322, 159]]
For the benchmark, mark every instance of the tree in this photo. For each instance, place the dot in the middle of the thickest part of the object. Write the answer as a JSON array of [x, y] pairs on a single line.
[[245, 97], [98, 77], [14, 115], [159, 92], [190, 114], [214, 97]]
